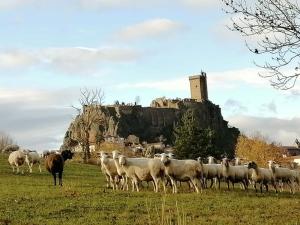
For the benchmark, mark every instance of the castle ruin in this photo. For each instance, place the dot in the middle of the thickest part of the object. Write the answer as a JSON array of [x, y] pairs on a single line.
[[149, 123]]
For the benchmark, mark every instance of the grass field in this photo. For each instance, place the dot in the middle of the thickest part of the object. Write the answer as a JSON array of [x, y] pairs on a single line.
[[31, 199]]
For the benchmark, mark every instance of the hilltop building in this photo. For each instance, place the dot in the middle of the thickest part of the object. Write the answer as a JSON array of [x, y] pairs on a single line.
[[149, 123]]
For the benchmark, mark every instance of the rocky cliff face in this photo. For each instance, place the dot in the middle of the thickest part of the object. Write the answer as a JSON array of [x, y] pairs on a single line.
[[148, 123]]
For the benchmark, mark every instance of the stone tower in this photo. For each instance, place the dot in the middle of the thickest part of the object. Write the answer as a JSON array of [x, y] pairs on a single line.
[[198, 86]]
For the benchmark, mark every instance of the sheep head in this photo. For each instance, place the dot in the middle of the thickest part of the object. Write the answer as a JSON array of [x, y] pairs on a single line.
[[115, 154], [165, 159], [225, 162], [67, 154], [252, 165], [122, 160]]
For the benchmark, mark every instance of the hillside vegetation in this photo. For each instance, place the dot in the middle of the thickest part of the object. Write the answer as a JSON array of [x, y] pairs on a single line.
[[32, 199]]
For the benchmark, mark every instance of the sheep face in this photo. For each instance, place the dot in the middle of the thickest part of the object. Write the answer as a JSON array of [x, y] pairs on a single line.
[[252, 165], [165, 159], [115, 154], [225, 162], [104, 159], [122, 160], [67, 154]]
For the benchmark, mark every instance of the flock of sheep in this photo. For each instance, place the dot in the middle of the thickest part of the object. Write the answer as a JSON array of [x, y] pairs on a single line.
[[54, 161], [164, 170]]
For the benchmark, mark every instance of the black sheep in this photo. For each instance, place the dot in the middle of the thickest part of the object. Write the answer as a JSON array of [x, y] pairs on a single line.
[[55, 164]]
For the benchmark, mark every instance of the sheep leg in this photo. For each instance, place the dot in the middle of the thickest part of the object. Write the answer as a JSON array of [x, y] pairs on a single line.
[[18, 170], [40, 168], [174, 186], [60, 178], [30, 167], [194, 183], [211, 182], [267, 187], [54, 177], [255, 186], [261, 187]]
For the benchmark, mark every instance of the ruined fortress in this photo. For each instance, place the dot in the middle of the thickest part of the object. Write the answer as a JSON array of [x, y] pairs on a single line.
[[149, 123]]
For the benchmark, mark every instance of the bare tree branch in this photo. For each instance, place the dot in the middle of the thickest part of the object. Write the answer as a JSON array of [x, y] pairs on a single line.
[[275, 25]]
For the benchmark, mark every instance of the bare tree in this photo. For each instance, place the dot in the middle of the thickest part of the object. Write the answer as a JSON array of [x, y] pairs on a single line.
[[89, 114], [5, 140], [274, 25]]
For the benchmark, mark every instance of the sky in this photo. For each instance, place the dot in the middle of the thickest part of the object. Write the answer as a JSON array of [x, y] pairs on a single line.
[[50, 49]]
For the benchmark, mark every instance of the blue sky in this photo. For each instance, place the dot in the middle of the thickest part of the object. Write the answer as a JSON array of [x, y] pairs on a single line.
[[51, 49]]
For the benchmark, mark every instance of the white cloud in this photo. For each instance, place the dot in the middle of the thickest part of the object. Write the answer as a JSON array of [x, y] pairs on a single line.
[[37, 119], [153, 28], [225, 79], [69, 60], [16, 59], [235, 106], [271, 107], [284, 131]]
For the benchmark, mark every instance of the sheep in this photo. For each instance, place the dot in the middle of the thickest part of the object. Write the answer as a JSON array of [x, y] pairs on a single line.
[[284, 175], [31, 158], [296, 175], [102, 168], [182, 170], [212, 172], [16, 159], [110, 169], [142, 169], [234, 174], [120, 170], [262, 176], [54, 163], [211, 160]]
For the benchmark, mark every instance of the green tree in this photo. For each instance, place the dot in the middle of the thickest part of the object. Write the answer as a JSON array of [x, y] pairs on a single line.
[[192, 141]]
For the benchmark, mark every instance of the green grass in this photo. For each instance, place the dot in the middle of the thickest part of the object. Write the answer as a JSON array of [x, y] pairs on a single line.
[[32, 199]]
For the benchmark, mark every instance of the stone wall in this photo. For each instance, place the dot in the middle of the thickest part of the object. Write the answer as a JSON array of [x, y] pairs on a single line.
[[148, 123]]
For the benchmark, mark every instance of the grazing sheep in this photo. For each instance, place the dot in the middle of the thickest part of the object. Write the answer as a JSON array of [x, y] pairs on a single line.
[[234, 174], [182, 170], [55, 164], [110, 169], [31, 158], [261, 176], [16, 159], [283, 175], [142, 169]]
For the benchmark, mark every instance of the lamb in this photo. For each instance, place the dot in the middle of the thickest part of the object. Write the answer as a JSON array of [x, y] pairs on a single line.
[[16, 159], [262, 176], [31, 158], [212, 172], [182, 170], [284, 175], [54, 163], [142, 169], [110, 169], [234, 174]]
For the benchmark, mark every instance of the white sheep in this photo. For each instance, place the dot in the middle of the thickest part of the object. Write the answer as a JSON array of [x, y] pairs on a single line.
[[235, 174], [283, 175], [143, 169], [120, 170], [32, 158], [211, 172], [182, 170], [261, 176], [16, 159], [110, 169]]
